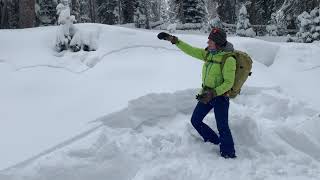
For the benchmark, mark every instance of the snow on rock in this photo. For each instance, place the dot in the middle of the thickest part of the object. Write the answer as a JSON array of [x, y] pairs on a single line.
[[152, 139]]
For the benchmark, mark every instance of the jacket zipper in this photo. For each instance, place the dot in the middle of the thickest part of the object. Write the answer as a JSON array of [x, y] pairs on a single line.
[[207, 72]]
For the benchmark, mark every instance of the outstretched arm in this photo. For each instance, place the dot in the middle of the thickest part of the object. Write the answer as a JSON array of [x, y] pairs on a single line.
[[195, 52]]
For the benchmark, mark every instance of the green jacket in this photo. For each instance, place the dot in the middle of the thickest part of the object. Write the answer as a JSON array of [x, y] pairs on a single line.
[[212, 76]]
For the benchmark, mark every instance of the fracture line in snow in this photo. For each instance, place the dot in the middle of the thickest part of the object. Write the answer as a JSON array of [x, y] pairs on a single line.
[[54, 148], [312, 68], [135, 46], [80, 72], [51, 66]]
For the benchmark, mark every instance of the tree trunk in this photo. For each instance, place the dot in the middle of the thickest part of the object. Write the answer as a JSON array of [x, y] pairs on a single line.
[[92, 4], [3, 14], [26, 13]]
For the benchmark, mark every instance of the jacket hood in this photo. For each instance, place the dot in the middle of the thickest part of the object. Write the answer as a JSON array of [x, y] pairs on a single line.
[[228, 47]]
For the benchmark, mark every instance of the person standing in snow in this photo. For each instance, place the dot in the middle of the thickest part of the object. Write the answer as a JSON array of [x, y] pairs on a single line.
[[216, 82]]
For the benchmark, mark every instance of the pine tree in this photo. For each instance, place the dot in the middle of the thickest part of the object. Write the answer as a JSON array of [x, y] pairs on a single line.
[[272, 27], [304, 35], [108, 12], [226, 11], [212, 9], [75, 9], [194, 11], [10, 14], [315, 27], [164, 11], [84, 11], [142, 14], [47, 12], [128, 10], [243, 24], [175, 11]]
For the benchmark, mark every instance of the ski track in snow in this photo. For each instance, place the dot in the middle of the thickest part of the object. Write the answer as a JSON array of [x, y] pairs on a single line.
[[153, 139]]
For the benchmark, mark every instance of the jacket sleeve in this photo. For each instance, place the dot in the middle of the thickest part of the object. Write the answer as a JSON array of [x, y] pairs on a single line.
[[198, 53], [228, 73]]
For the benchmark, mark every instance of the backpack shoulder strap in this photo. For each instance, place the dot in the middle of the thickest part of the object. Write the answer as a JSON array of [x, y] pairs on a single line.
[[226, 56]]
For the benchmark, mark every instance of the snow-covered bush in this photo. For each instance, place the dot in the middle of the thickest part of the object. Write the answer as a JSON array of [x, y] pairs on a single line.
[[304, 35], [172, 28], [90, 40], [272, 27], [309, 26], [291, 39], [243, 25], [68, 36], [216, 23], [282, 23], [75, 43], [315, 28], [62, 41]]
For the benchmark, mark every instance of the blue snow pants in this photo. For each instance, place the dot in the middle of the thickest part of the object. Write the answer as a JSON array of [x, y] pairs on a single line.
[[220, 104]]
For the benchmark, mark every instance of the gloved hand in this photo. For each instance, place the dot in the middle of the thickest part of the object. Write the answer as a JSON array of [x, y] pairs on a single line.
[[168, 37], [206, 96]]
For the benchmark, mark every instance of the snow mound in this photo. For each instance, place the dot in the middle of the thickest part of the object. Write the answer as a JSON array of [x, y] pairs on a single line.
[[153, 139], [261, 51]]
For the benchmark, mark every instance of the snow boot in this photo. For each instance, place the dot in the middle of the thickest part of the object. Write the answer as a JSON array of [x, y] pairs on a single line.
[[228, 155]]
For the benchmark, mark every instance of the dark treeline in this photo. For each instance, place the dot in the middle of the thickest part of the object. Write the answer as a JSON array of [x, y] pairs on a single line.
[[146, 13]]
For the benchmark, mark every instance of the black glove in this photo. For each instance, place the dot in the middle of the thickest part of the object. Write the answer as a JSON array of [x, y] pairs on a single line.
[[168, 37], [206, 96]]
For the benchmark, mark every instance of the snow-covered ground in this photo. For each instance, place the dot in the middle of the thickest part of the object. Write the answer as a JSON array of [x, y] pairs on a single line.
[[123, 111]]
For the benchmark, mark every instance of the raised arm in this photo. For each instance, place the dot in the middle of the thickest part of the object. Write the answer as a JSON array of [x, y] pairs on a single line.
[[195, 52]]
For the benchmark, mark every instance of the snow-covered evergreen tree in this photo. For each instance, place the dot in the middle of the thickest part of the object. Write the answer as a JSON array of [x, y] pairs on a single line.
[[84, 11], [128, 9], [194, 11], [164, 16], [304, 34], [155, 10], [226, 10], [315, 27], [9, 14], [142, 14], [175, 11], [309, 26], [243, 25], [108, 12], [75, 10], [47, 13], [272, 27]]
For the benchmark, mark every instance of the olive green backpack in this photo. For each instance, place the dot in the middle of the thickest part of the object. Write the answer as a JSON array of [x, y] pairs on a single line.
[[243, 70]]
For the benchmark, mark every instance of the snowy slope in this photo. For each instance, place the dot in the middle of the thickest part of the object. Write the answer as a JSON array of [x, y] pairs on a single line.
[[274, 121]]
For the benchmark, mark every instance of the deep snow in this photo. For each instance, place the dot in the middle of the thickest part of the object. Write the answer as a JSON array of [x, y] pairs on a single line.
[[127, 108]]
